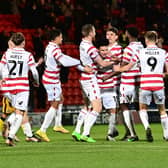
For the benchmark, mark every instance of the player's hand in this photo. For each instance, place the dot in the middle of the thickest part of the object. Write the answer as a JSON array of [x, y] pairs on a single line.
[[35, 84], [2, 82], [116, 68], [116, 60], [106, 77], [40, 61], [109, 54], [88, 69]]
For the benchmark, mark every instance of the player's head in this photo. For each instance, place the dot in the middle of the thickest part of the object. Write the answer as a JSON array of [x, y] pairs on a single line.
[[102, 45], [112, 35], [88, 30], [151, 36], [18, 39], [56, 36], [132, 32]]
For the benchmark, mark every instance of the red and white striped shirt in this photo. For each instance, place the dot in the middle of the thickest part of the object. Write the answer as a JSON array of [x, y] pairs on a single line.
[[52, 71], [109, 83], [88, 53], [131, 77], [152, 60], [53, 60], [17, 63], [116, 51]]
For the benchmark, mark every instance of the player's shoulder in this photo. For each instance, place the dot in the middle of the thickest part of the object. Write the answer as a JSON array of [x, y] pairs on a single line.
[[28, 53], [163, 50]]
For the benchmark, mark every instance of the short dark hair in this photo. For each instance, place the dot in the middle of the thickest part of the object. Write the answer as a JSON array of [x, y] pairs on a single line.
[[102, 42], [54, 33], [151, 35], [133, 31], [17, 38], [86, 29], [113, 29]]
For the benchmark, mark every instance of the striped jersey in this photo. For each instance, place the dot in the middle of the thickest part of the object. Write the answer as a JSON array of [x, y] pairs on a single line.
[[52, 67], [88, 53], [17, 63], [109, 83], [54, 58], [116, 51], [131, 77], [152, 60]]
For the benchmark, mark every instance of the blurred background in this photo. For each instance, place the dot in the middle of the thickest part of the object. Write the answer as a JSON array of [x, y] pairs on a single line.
[[34, 18]]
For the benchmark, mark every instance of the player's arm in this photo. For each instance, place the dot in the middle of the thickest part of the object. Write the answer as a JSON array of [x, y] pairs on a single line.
[[35, 75], [39, 62], [110, 75], [166, 68], [33, 69], [103, 63], [118, 68], [1, 69], [2, 65], [68, 61]]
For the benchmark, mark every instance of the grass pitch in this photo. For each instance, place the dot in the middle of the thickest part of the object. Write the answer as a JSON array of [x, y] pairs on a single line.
[[64, 152]]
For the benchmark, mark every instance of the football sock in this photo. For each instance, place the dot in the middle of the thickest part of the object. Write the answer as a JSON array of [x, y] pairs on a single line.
[[48, 119], [27, 129], [112, 121], [164, 122], [81, 117], [58, 116], [15, 125], [89, 121], [11, 118], [127, 119], [144, 118]]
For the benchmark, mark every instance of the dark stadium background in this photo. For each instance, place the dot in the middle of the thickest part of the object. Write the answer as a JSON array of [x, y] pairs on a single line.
[[35, 18]]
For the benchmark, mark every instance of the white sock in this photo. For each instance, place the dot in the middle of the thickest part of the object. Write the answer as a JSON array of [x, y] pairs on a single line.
[[27, 129], [11, 118], [81, 117], [127, 119], [89, 121], [49, 116], [164, 122], [15, 125], [112, 121], [144, 118], [58, 116]]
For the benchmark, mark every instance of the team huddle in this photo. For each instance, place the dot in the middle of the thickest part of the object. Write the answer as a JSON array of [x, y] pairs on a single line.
[[111, 77]]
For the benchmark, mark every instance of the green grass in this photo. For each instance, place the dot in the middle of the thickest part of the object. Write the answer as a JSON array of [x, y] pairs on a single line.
[[63, 152]]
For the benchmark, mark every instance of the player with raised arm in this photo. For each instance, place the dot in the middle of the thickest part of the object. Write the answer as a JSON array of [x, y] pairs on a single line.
[[53, 59], [152, 62], [16, 63], [129, 86], [89, 56]]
